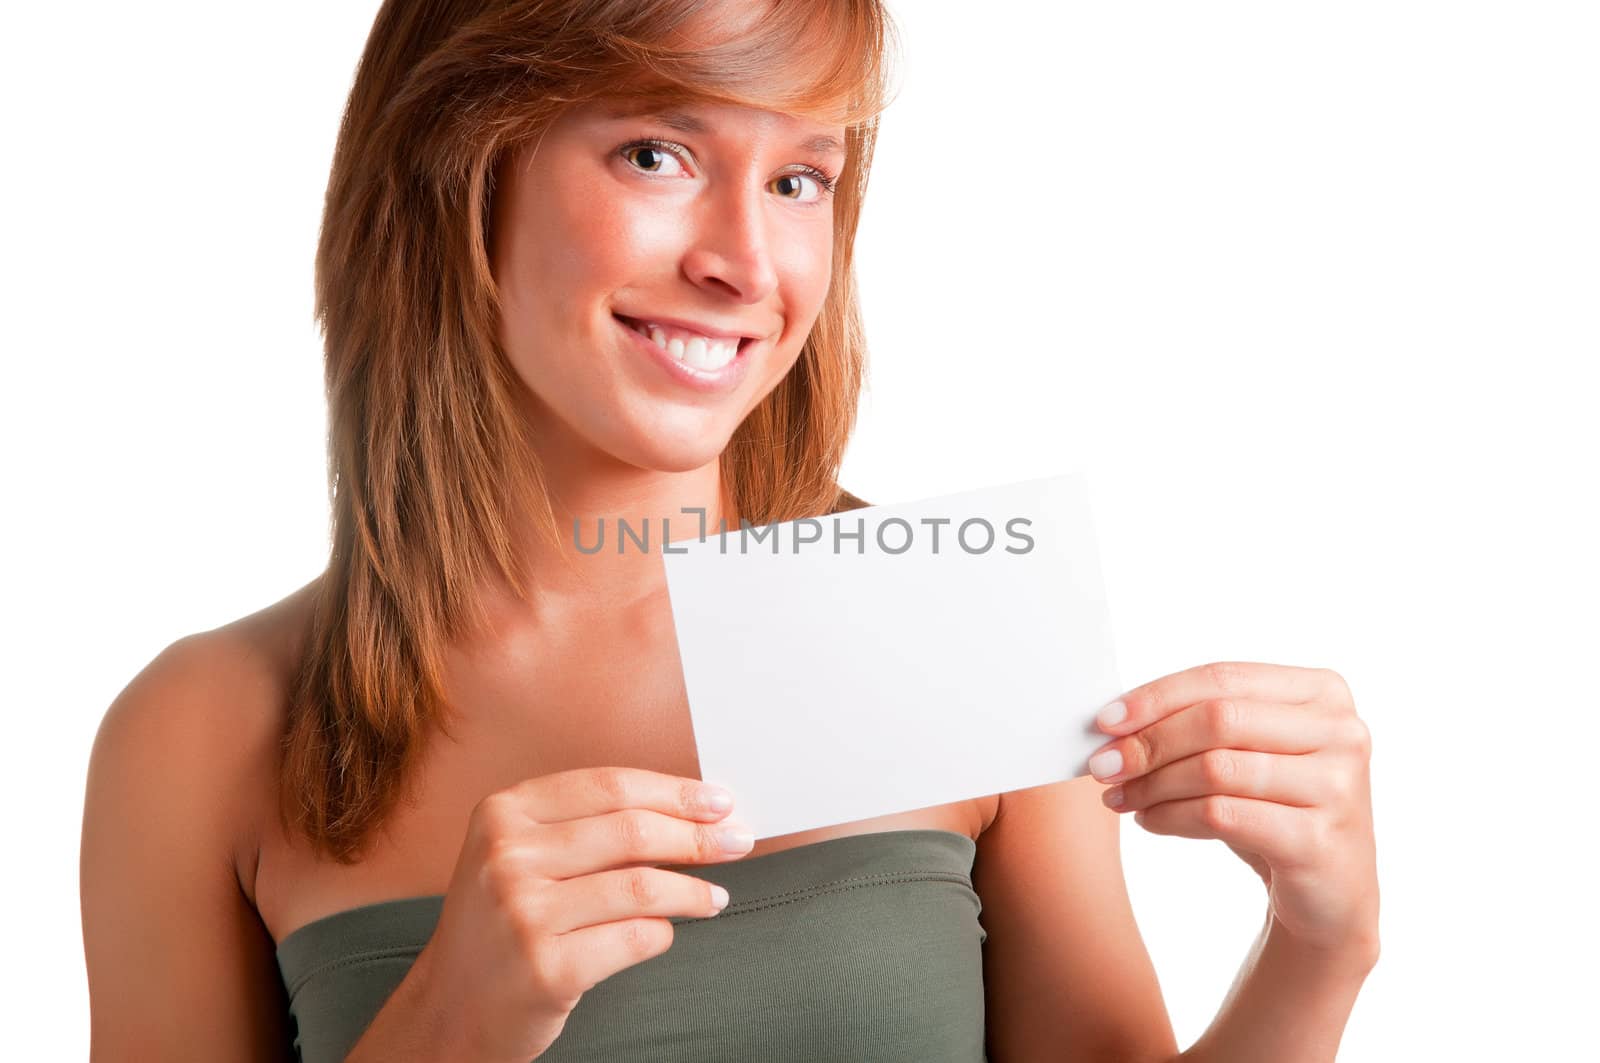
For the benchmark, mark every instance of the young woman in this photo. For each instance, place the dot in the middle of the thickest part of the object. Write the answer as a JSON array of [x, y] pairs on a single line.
[[585, 261]]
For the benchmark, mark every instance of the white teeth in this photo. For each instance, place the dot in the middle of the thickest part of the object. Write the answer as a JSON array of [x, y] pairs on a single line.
[[699, 352], [715, 357]]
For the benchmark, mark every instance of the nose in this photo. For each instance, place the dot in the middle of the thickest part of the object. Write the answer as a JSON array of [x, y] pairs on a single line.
[[731, 249]]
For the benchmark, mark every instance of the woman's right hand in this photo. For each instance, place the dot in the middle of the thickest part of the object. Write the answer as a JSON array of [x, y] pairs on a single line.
[[555, 890]]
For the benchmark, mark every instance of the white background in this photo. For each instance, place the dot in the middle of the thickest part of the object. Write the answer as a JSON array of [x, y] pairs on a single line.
[[1311, 291]]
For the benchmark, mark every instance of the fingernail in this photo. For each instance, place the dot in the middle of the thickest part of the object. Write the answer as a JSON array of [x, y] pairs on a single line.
[[715, 798], [1106, 763], [719, 897], [735, 839], [1114, 797], [1112, 714]]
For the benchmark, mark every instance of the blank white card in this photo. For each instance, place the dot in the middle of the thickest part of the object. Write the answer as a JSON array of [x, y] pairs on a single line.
[[896, 657]]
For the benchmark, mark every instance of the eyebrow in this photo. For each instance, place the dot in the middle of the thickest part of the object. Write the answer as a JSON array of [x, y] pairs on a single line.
[[688, 123]]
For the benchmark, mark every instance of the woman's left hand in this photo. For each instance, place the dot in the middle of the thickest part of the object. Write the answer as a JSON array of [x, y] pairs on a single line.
[[1271, 759]]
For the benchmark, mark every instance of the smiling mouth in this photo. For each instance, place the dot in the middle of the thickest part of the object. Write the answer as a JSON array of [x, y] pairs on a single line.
[[699, 352]]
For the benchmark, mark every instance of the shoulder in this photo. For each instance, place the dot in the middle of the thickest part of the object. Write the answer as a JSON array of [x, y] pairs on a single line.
[[199, 726], [178, 959]]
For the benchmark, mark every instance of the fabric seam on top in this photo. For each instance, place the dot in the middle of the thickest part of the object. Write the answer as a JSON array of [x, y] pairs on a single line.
[[775, 900], [392, 952], [735, 908]]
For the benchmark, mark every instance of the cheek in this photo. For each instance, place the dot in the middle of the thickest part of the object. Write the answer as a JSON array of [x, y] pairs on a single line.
[[562, 265], [806, 267], [602, 235]]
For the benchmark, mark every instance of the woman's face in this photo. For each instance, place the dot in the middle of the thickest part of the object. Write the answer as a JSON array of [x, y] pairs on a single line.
[[721, 229]]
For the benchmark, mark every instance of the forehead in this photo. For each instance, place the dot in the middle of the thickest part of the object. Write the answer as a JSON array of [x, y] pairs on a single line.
[[705, 119]]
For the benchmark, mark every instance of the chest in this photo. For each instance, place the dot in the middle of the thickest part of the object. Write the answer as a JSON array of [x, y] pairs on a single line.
[[609, 691], [863, 948]]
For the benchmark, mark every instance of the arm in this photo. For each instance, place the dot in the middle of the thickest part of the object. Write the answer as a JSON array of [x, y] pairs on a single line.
[[1066, 973], [405, 1027], [1272, 760], [179, 964], [1288, 1003]]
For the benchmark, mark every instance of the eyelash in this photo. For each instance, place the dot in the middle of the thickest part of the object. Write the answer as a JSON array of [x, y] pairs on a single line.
[[826, 180]]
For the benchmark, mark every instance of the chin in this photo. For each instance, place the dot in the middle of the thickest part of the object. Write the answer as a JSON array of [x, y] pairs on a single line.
[[673, 455]]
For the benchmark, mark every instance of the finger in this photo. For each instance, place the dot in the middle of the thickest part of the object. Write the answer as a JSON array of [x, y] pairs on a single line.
[[1295, 780], [1281, 834], [1159, 698], [633, 837], [1218, 723], [607, 896], [580, 960], [584, 792]]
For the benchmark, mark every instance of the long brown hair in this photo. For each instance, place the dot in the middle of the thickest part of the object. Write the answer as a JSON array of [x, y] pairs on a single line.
[[428, 461]]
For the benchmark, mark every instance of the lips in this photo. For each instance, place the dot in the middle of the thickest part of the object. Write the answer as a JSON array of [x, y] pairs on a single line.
[[720, 380], [638, 325]]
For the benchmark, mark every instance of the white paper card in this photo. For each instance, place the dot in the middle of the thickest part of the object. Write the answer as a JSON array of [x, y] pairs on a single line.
[[958, 647]]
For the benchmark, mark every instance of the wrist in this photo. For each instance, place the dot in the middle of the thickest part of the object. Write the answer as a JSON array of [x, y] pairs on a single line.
[[412, 1023], [1352, 955]]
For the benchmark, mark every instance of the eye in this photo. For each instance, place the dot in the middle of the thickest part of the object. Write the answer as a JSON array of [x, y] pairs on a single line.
[[823, 182], [660, 151], [657, 148]]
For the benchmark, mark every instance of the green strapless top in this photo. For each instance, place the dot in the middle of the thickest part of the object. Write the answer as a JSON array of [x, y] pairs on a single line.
[[866, 947]]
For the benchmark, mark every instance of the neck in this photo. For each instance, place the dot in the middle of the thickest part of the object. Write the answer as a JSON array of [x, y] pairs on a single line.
[[592, 565]]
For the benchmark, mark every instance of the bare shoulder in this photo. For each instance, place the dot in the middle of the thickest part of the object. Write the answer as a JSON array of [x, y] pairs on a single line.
[[220, 696], [179, 962]]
